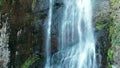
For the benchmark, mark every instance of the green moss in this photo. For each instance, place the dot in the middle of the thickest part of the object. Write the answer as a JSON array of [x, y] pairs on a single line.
[[110, 54], [109, 65], [115, 28], [110, 51], [116, 34], [114, 3], [34, 4], [0, 5], [114, 31], [30, 61], [0, 2], [111, 31], [100, 26], [110, 57]]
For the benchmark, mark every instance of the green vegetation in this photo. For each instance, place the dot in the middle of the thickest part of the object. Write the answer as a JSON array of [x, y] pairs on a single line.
[[100, 26], [114, 3], [116, 34], [114, 30], [110, 57], [0, 4], [30, 61], [110, 51], [34, 4]]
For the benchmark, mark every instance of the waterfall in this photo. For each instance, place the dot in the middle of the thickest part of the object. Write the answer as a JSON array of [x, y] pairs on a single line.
[[76, 48], [4, 51], [48, 36]]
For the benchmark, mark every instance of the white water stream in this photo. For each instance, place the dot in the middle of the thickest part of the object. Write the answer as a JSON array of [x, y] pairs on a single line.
[[4, 51], [76, 48]]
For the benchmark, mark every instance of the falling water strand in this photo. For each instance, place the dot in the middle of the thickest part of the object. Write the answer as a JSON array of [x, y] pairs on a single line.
[[77, 45], [4, 51], [48, 38]]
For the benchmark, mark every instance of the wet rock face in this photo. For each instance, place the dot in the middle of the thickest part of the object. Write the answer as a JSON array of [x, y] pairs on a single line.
[[20, 30], [41, 6], [101, 18], [41, 14], [19, 12]]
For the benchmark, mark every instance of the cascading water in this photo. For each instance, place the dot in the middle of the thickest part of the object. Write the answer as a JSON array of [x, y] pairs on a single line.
[[48, 36], [76, 48], [4, 51]]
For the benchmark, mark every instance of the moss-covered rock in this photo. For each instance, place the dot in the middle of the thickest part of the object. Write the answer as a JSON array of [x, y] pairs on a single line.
[[115, 32], [102, 23], [115, 4], [30, 61]]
